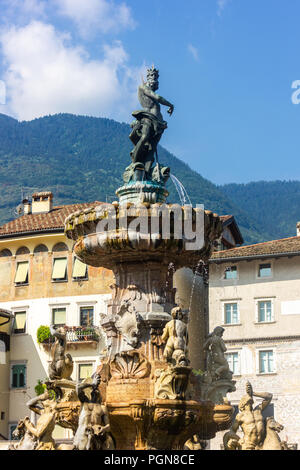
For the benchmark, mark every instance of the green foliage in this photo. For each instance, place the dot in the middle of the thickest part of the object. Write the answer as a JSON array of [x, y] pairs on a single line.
[[81, 159], [273, 204], [39, 388], [198, 372], [43, 333]]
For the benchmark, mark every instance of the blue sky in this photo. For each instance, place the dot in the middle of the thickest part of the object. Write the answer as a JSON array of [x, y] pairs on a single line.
[[227, 65]]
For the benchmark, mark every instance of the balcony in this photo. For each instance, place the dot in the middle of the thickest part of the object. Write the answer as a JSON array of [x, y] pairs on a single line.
[[77, 336]]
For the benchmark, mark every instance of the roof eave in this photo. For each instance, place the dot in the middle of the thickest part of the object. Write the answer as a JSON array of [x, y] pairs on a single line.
[[253, 257], [31, 232]]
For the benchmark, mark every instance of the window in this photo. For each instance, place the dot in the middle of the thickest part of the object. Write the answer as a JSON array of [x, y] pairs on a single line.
[[86, 316], [19, 323], [230, 272], [40, 249], [265, 270], [18, 376], [264, 311], [79, 270], [231, 315], [266, 362], [5, 253], [12, 428], [59, 316], [22, 273], [59, 272], [233, 360], [85, 371]]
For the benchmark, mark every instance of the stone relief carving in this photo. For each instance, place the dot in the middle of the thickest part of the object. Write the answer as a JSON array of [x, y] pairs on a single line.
[[130, 365]]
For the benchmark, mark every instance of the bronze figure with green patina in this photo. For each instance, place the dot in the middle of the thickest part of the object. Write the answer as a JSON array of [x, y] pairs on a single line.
[[149, 124]]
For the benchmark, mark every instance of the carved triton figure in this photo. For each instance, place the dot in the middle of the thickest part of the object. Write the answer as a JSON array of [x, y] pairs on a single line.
[[149, 125], [250, 420], [93, 431]]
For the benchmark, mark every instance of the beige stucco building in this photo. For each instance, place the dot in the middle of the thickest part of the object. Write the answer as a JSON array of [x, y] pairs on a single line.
[[254, 293], [42, 283]]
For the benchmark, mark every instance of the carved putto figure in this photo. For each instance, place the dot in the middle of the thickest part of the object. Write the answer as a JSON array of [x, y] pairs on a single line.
[[217, 364], [61, 366], [93, 431], [258, 433], [175, 335]]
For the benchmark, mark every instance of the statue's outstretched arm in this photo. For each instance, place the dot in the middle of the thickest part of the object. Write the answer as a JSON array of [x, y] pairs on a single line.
[[267, 398], [80, 387], [158, 98], [35, 404]]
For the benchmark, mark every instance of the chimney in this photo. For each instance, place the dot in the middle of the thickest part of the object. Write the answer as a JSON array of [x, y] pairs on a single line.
[[42, 202], [298, 229], [26, 206]]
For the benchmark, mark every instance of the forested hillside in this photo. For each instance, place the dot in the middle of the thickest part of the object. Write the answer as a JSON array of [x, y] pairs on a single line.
[[275, 205], [82, 159]]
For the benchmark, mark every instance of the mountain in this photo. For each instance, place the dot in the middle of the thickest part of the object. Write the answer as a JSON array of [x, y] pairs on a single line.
[[275, 205], [82, 159]]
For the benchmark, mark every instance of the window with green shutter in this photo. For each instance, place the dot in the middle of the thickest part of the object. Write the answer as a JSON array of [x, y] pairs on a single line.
[[18, 376]]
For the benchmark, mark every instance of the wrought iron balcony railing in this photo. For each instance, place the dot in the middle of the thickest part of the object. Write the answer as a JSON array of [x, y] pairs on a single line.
[[77, 334]]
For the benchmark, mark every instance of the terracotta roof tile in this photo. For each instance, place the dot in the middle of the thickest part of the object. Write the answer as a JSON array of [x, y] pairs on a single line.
[[43, 221], [273, 247]]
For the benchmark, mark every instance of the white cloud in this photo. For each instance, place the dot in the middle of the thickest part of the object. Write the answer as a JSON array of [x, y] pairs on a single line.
[[221, 4], [20, 11], [91, 16], [194, 52], [46, 75]]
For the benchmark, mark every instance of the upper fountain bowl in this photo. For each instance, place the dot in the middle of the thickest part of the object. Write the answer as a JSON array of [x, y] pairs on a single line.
[[110, 234]]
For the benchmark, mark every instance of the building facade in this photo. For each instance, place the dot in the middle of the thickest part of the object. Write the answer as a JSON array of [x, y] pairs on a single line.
[[42, 283], [254, 293]]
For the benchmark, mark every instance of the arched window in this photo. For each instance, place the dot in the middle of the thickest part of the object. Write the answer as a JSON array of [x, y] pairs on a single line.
[[60, 247], [5, 252], [23, 250], [40, 249]]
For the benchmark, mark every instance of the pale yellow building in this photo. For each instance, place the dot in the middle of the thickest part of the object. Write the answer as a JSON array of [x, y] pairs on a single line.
[[42, 283], [254, 293]]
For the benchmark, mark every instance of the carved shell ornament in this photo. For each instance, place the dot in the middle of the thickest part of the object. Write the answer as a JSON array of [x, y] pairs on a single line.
[[130, 364]]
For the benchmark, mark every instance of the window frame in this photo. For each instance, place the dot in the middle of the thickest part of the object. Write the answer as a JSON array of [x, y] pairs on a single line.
[[12, 365], [224, 278], [257, 302], [88, 306], [23, 283], [65, 279], [84, 363], [78, 279], [235, 351], [258, 362], [10, 426], [56, 307], [15, 312], [258, 270], [230, 302]]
